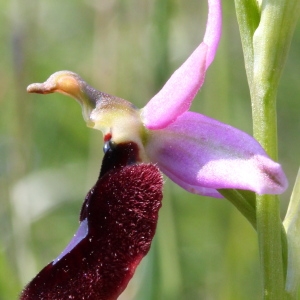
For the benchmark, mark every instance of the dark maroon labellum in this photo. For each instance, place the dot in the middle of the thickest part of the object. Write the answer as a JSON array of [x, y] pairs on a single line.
[[118, 222]]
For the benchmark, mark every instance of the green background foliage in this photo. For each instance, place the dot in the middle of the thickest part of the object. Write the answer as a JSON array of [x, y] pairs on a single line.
[[203, 248]]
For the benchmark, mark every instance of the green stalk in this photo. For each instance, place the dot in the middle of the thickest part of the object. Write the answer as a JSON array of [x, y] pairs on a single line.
[[271, 42], [270, 247], [266, 33], [268, 206]]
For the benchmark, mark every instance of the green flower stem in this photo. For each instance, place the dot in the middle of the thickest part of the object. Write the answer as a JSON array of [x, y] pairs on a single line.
[[270, 246], [268, 206], [266, 30], [271, 42]]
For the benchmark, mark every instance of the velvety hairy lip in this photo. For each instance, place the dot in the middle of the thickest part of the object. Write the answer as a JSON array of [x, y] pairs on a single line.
[[119, 217]]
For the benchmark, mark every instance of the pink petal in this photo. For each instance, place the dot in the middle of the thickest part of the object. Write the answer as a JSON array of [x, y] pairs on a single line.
[[200, 153], [213, 29], [178, 93]]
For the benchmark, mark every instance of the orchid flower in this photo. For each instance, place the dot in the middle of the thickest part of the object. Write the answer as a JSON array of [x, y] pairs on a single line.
[[198, 153]]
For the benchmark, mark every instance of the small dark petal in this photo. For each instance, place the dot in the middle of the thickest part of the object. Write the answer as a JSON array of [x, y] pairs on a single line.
[[121, 214]]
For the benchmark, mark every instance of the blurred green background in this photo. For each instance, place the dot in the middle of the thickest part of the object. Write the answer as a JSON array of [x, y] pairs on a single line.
[[49, 159]]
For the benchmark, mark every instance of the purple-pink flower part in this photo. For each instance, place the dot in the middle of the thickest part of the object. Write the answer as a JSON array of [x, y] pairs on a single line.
[[211, 155], [178, 93], [199, 153]]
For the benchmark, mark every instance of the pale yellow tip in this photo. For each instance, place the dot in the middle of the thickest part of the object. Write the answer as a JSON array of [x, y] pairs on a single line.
[[41, 88]]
